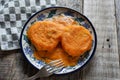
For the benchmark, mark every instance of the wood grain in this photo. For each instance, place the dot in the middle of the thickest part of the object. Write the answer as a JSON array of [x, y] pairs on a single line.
[[105, 65], [117, 5], [74, 4], [13, 66]]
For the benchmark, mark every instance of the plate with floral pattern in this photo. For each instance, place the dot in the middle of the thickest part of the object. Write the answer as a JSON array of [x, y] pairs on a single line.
[[26, 45]]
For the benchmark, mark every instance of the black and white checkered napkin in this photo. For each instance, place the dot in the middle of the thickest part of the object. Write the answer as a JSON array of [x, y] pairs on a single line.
[[13, 16]]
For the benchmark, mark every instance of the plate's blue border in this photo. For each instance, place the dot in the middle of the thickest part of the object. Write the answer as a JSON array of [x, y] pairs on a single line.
[[68, 9]]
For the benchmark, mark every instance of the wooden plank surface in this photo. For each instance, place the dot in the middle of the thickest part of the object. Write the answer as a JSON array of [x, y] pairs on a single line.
[[105, 63], [117, 5], [74, 4]]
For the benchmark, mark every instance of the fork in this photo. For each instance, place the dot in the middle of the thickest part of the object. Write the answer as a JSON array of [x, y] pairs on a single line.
[[48, 69]]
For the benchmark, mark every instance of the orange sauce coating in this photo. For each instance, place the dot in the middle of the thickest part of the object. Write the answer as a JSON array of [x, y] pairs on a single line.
[[72, 45], [58, 53]]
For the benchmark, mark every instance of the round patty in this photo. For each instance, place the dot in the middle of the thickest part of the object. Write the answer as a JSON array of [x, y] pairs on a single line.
[[44, 35], [77, 40]]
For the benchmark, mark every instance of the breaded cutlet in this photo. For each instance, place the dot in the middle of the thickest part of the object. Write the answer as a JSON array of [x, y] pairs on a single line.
[[77, 40], [44, 35]]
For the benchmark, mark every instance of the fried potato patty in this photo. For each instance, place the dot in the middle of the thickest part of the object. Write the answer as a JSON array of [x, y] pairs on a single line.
[[44, 35], [77, 40]]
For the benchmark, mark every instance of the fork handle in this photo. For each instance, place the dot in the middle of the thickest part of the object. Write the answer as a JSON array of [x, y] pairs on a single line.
[[32, 77], [40, 73]]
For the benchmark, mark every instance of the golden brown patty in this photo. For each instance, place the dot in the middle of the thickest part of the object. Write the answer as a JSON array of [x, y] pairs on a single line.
[[44, 35], [77, 40]]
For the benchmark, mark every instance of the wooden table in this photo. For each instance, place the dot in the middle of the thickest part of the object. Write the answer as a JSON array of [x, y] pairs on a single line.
[[105, 65]]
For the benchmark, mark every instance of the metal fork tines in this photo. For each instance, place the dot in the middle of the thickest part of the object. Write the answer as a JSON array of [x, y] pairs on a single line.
[[48, 69]]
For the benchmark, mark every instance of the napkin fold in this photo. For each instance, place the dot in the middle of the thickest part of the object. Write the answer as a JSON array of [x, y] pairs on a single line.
[[13, 16]]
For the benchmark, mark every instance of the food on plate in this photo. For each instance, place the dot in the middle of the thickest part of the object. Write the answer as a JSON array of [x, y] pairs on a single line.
[[44, 35], [77, 40], [59, 37], [63, 20], [58, 53]]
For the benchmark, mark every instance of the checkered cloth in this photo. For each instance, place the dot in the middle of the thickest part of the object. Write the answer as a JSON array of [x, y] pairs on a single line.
[[13, 16]]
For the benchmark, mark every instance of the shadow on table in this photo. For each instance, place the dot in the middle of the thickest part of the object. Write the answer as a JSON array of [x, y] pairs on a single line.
[[7, 53], [13, 66]]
